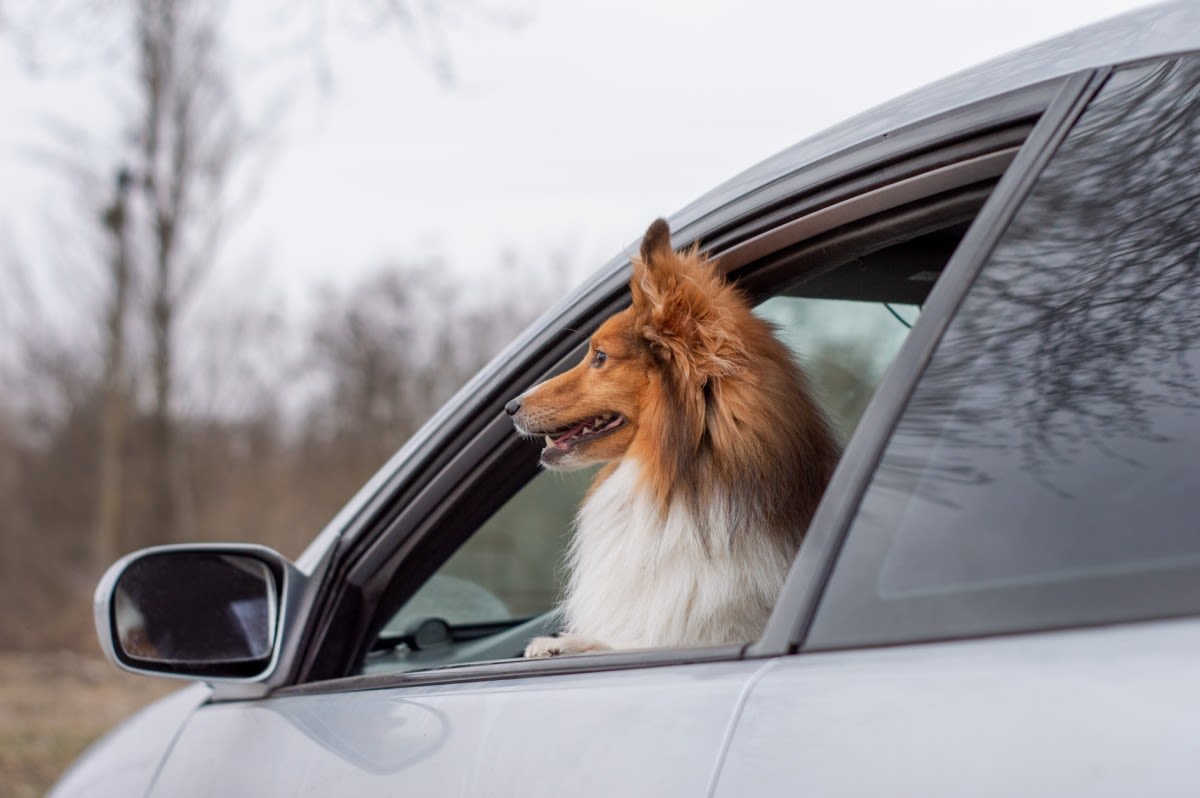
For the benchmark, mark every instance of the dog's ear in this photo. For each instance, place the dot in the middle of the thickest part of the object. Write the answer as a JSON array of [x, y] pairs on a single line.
[[657, 241], [653, 268], [682, 306]]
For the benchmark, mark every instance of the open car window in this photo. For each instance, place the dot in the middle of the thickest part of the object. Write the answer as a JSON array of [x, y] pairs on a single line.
[[501, 586], [504, 579], [843, 272]]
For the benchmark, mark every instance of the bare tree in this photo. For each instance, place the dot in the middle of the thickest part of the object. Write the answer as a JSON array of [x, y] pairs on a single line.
[[187, 141]]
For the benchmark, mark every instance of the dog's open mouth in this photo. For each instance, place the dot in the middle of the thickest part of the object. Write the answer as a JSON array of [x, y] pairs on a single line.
[[567, 438]]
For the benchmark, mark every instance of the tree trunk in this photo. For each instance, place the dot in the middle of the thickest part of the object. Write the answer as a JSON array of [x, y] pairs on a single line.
[[110, 512]]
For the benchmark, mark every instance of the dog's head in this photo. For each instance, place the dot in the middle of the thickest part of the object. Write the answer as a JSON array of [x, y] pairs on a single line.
[[647, 365]]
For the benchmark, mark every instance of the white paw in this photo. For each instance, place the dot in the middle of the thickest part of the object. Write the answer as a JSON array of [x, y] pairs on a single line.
[[563, 644]]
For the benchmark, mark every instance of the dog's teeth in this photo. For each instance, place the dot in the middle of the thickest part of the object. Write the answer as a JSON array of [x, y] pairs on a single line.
[[549, 441]]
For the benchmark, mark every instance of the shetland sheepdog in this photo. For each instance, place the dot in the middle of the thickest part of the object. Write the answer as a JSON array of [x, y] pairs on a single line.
[[715, 455]]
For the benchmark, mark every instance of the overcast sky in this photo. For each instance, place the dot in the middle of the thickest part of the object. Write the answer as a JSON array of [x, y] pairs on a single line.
[[568, 126]]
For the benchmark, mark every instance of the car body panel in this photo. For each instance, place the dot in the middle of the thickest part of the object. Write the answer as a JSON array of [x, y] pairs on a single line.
[[124, 761], [1099, 712], [657, 730]]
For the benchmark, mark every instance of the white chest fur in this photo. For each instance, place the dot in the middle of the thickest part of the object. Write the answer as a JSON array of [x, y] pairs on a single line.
[[639, 580]]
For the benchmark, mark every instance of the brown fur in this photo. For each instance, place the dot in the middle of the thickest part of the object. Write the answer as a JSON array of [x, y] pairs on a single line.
[[712, 400]]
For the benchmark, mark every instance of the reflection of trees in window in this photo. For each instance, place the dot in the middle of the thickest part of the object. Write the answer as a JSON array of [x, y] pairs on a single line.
[[1085, 324]]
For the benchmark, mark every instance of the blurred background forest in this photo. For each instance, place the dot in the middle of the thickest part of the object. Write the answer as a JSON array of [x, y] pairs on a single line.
[[142, 406]]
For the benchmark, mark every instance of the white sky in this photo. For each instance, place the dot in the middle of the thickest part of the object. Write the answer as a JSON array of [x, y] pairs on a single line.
[[569, 131]]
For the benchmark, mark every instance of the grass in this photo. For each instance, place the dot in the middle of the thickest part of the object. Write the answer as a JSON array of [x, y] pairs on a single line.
[[53, 705]]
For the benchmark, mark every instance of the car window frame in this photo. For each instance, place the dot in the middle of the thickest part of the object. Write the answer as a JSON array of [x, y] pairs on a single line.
[[470, 436]]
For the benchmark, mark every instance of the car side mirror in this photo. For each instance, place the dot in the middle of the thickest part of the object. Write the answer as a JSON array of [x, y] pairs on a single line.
[[212, 612]]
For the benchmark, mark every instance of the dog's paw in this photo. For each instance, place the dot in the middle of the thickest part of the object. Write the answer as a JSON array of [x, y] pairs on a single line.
[[563, 644]]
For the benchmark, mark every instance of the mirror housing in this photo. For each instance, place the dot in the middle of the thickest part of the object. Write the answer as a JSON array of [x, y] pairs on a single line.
[[215, 612]]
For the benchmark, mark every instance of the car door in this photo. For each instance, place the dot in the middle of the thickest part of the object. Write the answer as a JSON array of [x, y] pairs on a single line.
[[1012, 608], [370, 709]]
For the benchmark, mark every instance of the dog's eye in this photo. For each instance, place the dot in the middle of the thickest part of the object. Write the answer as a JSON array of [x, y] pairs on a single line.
[[599, 358]]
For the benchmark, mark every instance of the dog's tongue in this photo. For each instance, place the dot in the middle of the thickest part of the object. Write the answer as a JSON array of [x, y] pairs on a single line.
[[561, 440]]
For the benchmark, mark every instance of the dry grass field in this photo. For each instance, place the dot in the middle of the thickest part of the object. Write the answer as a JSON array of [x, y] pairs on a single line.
[[52, 705]]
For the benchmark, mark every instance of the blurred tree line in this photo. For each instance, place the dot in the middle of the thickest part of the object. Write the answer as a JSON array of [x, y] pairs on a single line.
[[316, 407], [138, 408]]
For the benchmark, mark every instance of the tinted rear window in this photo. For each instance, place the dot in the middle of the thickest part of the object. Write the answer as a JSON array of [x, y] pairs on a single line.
[[1044, 473]]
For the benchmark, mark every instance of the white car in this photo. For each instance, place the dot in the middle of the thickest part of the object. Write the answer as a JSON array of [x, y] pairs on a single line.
[[998, 594]]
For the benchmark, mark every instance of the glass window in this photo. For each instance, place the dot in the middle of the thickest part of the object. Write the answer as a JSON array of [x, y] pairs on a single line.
[[1044, 472]]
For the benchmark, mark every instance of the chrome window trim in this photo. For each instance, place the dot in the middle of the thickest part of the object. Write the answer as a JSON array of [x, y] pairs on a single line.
[[879, 200]]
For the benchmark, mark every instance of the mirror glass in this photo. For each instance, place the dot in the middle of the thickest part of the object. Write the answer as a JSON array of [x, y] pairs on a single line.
[[195, 608]]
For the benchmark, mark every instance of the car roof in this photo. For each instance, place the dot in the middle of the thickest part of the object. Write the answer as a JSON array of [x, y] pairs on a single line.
[[1154, 31]]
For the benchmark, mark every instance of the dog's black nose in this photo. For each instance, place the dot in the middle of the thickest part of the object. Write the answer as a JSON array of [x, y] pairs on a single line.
[[512, 407]]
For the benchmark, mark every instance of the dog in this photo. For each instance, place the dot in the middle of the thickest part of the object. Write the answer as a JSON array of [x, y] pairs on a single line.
[[715, 455]]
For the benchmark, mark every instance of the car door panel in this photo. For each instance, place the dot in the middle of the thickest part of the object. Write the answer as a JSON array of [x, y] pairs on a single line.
[[1103, 712], [655, 731]]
